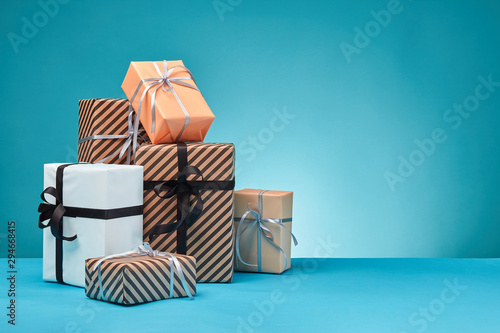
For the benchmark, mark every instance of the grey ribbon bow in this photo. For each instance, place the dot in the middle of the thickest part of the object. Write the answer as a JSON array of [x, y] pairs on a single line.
[[127, 145], [262, 230], [165, 81], [142, 250]]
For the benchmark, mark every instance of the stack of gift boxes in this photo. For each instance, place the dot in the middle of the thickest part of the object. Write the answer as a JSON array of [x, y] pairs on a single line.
[[150, 209]]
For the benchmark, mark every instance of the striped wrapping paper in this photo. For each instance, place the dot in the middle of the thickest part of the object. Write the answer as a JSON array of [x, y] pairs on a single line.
[[140, 279], [102, 116], [210, 238]]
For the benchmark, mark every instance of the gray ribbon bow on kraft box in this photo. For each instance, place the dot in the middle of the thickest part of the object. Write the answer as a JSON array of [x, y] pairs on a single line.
[[263, 223]]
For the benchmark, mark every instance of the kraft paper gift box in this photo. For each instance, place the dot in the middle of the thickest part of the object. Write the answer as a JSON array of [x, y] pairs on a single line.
[[89, 210], [140, 278], [194, 214], [105, 125], [274, 208], [166, 97]]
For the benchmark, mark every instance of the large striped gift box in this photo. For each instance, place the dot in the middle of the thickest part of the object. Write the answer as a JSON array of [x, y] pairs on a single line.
[[103, 116], [138, 279], [177, 222]]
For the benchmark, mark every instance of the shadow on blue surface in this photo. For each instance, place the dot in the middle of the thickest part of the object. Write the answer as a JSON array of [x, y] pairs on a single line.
[[333, 295]]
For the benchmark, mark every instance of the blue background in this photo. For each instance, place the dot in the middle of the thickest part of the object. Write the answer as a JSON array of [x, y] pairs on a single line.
[[354, 116]]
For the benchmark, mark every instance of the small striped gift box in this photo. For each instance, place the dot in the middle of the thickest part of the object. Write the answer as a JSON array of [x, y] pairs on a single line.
[[139, 279], [103, 129]]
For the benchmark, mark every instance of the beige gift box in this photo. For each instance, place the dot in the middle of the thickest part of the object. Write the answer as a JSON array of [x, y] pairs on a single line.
[[276, 205]]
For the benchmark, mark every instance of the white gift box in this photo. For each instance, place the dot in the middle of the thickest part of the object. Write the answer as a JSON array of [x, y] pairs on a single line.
[[102, 190]]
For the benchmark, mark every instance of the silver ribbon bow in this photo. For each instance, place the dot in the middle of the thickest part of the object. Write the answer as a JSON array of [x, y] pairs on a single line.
[[143, 250], [165, 81], [262, 230], [127, 145]]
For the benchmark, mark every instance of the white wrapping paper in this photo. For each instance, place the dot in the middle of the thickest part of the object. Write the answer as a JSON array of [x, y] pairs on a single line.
[[98, 186]]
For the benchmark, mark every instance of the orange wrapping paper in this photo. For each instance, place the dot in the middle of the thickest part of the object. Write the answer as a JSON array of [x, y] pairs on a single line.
[[170, 118]]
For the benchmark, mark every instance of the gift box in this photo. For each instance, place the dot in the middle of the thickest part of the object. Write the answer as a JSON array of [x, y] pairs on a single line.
[[105, 131], [88, 210], [166, 97], [263, 224], [140, 276], [188, 201]]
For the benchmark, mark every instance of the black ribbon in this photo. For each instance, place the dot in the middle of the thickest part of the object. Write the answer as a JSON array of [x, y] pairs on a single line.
[[55, 212], [183, 189], [186, 215]]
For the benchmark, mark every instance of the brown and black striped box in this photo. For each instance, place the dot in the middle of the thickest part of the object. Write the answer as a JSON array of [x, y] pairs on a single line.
[[102, 116], [210, 238], [140, 279]]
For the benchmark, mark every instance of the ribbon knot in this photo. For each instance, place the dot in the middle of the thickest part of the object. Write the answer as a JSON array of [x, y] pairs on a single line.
[[146, 249], [155, 253], [166, 82], [255, 213], [52, 212], [180, 185], [183, 186], [181, 177]]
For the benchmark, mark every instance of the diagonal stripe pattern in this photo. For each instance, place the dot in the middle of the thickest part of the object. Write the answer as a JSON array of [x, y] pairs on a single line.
[[135, 280], [102, 116], [210, 238]]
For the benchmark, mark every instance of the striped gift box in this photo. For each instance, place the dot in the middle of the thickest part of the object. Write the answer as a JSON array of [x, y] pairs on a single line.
[[140, 279], [102, 116], [210, 238]]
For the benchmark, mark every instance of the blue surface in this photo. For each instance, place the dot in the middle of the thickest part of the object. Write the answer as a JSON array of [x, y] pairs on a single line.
[[326, 295], [354, 116]]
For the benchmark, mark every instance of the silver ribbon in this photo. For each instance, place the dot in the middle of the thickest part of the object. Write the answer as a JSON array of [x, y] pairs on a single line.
[[262, 230], [127, 146], [165, 82], [143, 250]]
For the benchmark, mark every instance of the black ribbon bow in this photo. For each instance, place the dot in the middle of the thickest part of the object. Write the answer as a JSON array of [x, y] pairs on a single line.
[[54, 213], [183, 189]]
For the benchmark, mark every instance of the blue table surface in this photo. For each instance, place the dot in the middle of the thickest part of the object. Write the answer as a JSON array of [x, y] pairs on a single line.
[[330, 295]]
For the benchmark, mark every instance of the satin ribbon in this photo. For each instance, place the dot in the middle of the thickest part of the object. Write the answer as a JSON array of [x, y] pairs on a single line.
[[182, 187], [52, 212], [165, 82], [143, 250], [127, 145], [262, 230], [55, 213]]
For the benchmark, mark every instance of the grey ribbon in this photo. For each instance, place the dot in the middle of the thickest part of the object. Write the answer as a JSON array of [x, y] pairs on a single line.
[[127, 146], [165, 82], [262, 230], [143, 250]]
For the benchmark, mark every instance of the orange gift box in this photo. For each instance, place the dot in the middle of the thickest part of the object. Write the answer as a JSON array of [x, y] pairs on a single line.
[[172, 109]]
